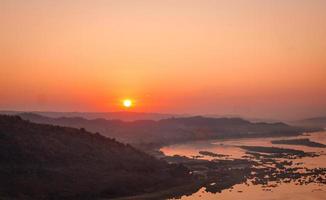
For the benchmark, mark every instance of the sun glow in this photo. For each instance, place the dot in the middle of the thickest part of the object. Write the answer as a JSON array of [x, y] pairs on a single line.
[[127, 103]]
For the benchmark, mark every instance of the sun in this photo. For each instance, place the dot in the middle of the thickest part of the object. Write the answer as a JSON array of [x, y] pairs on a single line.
[[127, 103]]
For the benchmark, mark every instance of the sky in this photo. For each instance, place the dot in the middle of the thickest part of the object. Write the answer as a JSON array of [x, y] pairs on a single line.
[[256, 58]]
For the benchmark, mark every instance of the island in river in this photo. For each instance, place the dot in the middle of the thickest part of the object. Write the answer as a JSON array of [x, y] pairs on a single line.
[[304, 141], [277, 171]]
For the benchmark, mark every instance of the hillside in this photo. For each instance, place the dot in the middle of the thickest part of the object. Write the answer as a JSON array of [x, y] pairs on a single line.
[[172, 130], [52, 162]]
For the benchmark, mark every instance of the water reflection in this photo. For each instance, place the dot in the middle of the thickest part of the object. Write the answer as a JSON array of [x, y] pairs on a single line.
[[249, 191], [287, 191]]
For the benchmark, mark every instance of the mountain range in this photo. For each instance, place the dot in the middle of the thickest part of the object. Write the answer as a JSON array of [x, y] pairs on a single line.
[[171, 130], [124, 116]]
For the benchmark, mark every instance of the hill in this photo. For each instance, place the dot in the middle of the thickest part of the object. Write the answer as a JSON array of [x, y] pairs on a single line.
[[172, 130], [51, 162]]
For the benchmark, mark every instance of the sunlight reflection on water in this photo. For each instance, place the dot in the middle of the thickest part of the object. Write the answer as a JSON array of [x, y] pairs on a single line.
[[287, 191]]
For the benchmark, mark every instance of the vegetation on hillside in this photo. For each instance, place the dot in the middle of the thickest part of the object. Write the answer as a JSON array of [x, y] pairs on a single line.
[[51, 162]]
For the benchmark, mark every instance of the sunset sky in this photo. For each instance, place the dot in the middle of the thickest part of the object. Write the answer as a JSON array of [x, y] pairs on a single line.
[[256, 58]]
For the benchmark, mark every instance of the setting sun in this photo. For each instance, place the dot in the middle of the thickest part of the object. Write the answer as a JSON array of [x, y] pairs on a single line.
[[127, 103], [150, 99]]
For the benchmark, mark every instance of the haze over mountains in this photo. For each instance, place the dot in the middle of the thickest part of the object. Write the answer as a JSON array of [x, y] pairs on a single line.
[[125, 116], [312, 122], [171, 130]]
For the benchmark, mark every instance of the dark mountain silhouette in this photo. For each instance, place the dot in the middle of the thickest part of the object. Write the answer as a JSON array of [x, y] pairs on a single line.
[[50, 162], [171, 130]]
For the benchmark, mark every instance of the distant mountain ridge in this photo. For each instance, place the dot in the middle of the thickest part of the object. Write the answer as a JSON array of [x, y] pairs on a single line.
[[124, 116], [312, 122], [320, 119], [171, 130]]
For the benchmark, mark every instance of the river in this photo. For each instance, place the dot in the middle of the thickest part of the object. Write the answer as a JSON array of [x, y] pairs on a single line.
[[289, 191]]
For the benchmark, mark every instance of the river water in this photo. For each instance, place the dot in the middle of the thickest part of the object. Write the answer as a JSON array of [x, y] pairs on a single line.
[[230, 147]]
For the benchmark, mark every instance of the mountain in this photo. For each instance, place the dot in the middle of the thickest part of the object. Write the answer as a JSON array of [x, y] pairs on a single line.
[[125, 116], [172, 130], [312, 122], [40, 161]]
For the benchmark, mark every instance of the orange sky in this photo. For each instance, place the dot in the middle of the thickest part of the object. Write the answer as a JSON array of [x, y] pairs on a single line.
[[257, 58]]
